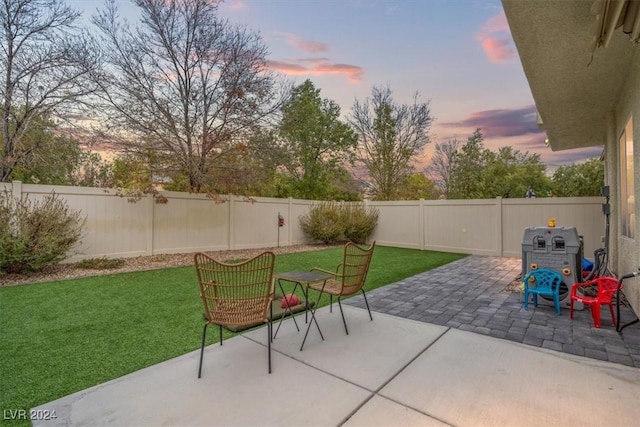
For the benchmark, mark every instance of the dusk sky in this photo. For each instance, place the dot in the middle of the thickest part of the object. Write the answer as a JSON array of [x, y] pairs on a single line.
[[458, 54]]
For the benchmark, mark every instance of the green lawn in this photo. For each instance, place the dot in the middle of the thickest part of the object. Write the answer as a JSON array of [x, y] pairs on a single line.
[[61, 337]]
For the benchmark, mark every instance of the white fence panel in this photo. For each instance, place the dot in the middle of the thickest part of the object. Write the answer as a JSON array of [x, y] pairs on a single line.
[[466, 226], [255, 222], [584, 213], [189, 223], [399, 224]]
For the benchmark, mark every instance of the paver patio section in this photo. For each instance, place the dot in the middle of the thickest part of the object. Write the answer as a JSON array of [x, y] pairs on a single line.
[[469, 294]]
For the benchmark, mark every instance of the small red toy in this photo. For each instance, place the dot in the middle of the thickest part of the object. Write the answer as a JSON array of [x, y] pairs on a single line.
[[289, 300]]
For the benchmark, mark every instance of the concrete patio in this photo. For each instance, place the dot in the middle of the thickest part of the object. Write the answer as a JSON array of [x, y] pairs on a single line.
[[390, 371]]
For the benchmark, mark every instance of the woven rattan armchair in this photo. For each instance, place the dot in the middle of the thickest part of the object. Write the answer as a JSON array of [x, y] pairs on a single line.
[[348, 278], [236, 294]]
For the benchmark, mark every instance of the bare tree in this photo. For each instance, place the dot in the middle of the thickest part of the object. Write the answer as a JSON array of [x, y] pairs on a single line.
[[442, 164], [45, 66], [391, 137], [185, 86]]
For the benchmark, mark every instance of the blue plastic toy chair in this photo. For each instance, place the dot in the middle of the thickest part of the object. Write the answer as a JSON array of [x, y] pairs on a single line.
[[543, 282]]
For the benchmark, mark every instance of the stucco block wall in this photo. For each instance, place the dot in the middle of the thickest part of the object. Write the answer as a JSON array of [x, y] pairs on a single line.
[[626, 252]]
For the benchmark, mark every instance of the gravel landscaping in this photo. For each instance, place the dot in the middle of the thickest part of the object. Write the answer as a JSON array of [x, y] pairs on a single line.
[[71, 271]]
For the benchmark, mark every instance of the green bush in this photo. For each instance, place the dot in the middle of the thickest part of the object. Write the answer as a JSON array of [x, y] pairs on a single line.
[[323, 222], [330, 222], [359, 222], [34, 235]]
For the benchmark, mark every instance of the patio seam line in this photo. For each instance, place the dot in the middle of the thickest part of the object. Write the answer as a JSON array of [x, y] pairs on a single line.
[[394, 376], [374, 392], [311, 366]]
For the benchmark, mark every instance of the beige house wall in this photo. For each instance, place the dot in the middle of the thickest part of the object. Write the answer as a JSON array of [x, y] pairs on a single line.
[[626, 251], [193, 222]]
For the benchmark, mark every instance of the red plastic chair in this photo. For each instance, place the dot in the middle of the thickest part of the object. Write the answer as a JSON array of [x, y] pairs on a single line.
[[606, 288]]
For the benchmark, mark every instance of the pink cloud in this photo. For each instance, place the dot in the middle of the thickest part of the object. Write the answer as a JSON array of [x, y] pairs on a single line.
[[353, 73], [497, 50], [308, 45], [495, 39], [237, 4], [287, 68], [313, 60]]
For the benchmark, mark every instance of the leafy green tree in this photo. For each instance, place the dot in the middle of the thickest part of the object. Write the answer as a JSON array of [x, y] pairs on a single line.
[[344, 186], [468, 164], [418, 186], [479, 173], [132, 176], [46, 157], [579, 180], [93, 171], [391, 137], [313, 141], [509, 172]]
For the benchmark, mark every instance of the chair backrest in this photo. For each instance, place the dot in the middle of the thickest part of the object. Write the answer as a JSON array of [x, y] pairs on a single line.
[[355, 267], [546, 281], [607, 287], [236, 293]]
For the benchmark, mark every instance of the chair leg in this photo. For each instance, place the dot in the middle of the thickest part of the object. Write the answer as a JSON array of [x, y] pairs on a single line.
[[367, 303], [613, 316], [556, 304], [526, 300], [570, 308], [220, 332], [595, 312], [204, 335], [343, 319], [271, 317], [270, 335], [330, 303]]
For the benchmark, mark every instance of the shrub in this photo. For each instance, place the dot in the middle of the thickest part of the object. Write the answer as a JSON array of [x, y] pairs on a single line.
[[359, 222], [323, 222], [35, 234], [329, 222]]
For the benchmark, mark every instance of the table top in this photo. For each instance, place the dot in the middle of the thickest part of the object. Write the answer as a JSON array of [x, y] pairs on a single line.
[[303, 276]]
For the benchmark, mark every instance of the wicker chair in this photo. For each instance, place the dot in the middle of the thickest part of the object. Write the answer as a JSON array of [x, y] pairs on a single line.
[[236, 295], [348, 279]]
